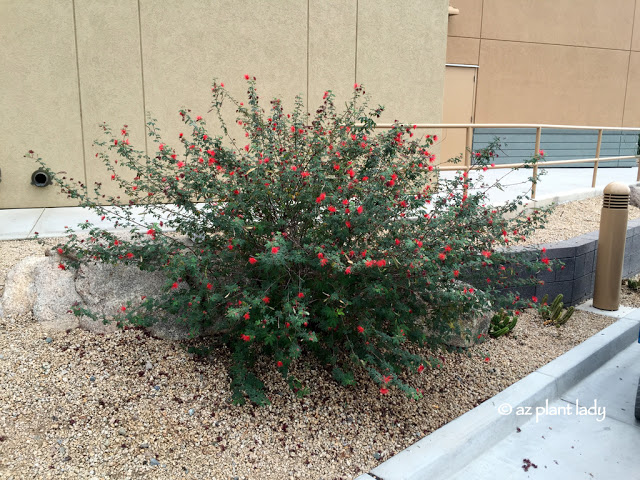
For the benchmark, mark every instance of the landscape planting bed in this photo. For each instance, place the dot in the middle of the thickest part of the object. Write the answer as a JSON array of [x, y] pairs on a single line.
[[125, 405]]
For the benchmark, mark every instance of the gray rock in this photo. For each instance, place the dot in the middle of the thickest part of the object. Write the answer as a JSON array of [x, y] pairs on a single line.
[[466, 332], [55, 294], [37, 285], [122, 431], [634, 196], [104, 288], [153, 462], [20, 290], [191, 411], [48, 339]]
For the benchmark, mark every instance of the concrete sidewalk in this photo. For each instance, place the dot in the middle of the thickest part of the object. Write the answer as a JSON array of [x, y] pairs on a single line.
[[571, 419]]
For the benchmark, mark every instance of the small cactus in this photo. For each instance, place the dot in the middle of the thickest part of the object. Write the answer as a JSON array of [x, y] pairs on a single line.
[[554, 314], [501, 323], [633, 284]]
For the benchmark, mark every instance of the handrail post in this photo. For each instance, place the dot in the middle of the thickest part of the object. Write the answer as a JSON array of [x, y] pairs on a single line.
[[595, 164], [535, 166], [467, 153], [638, 161]]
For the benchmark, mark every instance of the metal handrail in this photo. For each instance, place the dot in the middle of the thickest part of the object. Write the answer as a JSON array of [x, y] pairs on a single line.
[[469, 140]]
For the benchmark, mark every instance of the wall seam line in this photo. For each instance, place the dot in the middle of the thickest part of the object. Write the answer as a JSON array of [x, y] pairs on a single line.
[[626, 85], [355, 74], [308, 100], [555, 44], [75, 40], [144, 99]]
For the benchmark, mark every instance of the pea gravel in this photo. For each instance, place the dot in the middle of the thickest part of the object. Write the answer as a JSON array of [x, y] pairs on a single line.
[[572, 219], [79, 405]]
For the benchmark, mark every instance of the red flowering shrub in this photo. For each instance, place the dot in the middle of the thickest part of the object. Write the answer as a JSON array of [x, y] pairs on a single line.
[[319, 236]]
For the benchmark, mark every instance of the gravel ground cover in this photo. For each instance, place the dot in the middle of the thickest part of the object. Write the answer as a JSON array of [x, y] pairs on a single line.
[[572, 219], [79, 405]]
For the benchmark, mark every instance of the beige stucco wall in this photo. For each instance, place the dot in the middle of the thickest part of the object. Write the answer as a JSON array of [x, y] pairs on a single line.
[[69, 65], [551, 61]]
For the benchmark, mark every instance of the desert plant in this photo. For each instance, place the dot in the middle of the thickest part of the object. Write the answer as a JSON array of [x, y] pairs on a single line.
[[502, 323], [318, 236], [554, 314], [632, 284]]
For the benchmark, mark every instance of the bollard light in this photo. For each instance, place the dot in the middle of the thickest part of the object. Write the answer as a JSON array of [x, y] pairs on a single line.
[[611, 240]]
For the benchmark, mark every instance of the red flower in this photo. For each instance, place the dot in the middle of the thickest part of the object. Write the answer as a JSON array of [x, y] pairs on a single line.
[[279, 364], [381, 263], [336, 167], [300, 295], [266, 299], [321, 197], [174, 286], [275, 250], [332, 209], [230, 247], [447, 248], [244, 337], [60, 251], [123, 308], [246, 77], [360, 329], [198, 118], [61, 266], [486, 253], [486, 359], [129, 255], [253, 261], [355, 85], [420, 368], [386, 379], [534, 299], [324, 261], [348, 224], [305, 174], [384, 391], [348, 271], [456, 273], [247, 316], [360, 209], [209, 286], [151, 232], [397, 242]]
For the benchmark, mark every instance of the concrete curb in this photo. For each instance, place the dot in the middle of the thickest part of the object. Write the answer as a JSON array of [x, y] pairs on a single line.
[[453, 446]]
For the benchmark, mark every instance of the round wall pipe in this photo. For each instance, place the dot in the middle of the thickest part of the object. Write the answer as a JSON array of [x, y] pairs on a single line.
[[40, 178]]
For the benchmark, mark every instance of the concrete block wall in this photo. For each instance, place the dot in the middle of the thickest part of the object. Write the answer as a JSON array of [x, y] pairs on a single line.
[[575, 281]]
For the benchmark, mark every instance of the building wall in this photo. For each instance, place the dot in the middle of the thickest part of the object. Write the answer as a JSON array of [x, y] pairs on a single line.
[[70, 64], [571, 62]]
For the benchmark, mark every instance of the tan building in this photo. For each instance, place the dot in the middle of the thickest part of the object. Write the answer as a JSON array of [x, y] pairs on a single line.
[[568, 62], [68, 65]]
